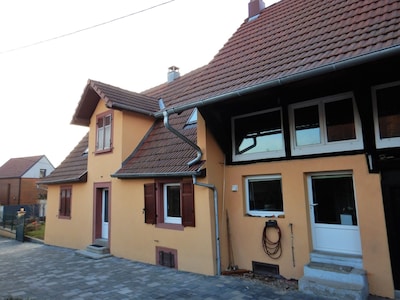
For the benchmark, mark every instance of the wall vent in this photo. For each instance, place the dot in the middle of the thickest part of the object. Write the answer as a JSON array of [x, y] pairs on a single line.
[[264, 269], [166, 257]]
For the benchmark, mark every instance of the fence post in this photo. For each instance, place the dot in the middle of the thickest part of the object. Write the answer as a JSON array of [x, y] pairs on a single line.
[[19, 234]]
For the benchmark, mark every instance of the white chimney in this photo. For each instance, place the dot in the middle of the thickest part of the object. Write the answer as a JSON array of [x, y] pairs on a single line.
[[255, 7], [173, 73]]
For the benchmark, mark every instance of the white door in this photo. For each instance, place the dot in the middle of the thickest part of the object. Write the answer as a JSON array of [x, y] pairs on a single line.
[[104, 214], [333, 213]]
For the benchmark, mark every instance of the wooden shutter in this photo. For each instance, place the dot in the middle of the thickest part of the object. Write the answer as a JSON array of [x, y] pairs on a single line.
[[187, 204], [150, 203]]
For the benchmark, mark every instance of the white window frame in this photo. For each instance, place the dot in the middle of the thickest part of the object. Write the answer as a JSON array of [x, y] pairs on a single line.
[[167, 219], [261, 213], [104, 134], [259, 155], [324, 146], [385, 142]]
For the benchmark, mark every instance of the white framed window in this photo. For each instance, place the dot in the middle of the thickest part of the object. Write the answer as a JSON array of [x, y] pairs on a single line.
[[264, 195], [258, 135], [328, 124], [104, 132], [386, 109], [172, 203]]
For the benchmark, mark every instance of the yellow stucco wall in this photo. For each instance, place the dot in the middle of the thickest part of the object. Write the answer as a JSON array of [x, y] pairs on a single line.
[[246, 231], [75, 232], [132, 238]]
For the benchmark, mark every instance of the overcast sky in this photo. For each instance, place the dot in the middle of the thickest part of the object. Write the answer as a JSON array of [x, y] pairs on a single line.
[[41, 85]]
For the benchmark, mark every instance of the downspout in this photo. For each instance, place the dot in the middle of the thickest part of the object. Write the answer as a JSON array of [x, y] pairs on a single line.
[[210, 186]]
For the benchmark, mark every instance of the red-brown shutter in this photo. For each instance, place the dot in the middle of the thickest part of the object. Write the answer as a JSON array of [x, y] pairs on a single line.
[[187, 204], [150, 203]]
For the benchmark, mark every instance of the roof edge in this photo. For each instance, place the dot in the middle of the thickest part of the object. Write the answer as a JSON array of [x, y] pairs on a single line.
[[123, 107], [79, 179], [329, 68], [157, 175]]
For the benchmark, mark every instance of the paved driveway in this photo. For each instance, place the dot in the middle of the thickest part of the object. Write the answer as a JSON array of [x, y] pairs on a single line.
[[35, 271]]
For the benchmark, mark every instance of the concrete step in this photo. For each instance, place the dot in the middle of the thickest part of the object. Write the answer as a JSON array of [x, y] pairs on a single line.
[[350, 260], [336, 273], [333, 289], [334, 281], [97, 250], [92, 255]]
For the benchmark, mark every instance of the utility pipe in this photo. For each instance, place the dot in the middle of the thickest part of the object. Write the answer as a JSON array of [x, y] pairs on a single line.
[[210, 186], [182, 137], [217, 239], [341, 65]]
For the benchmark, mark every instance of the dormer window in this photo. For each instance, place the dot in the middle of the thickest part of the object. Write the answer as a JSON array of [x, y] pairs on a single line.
[[329, 124], [104, 132], [192, 119], [387, 114]]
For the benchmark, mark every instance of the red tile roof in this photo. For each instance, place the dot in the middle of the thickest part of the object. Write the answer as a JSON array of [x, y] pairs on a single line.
[[289, 40], [162, 153], [115, 98], [73, 168], [17, 167], [293, 38]]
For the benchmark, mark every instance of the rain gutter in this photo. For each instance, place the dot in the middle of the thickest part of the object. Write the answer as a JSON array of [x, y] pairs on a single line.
[[121, 106], [347, 63], [153, 175]]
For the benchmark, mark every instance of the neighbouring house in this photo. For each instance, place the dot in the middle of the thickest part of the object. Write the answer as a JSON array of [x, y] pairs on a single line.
[[18, 186], [281, 156]]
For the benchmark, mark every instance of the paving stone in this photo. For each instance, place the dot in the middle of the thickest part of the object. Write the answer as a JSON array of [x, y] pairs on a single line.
[[34, 271]]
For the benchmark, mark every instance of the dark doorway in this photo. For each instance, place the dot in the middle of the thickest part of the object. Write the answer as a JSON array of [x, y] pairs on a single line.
[[391, 200]]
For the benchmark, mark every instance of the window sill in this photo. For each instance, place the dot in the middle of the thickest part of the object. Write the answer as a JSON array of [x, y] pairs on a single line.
[[171, 226], [103, 151], [64, 217], [280, 215]]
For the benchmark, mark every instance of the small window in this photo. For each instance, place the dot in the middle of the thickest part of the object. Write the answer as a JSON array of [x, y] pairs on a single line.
[[104, 132], [169, 204], [172, 203], [264, 196], [258, 136], [328, 124], [42, 173], [65, 202], [192, 119], [386, 99]]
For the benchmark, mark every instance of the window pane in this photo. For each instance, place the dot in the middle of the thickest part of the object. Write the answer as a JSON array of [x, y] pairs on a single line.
[[100, 138], [307, 125], [340, 120], [107, 137], [335, 201], [259, 133], [388, 103], [173, 201], [265, 195]]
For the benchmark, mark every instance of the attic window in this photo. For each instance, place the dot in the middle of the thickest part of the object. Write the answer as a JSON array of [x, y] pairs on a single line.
[[85, 152], [192, 119]]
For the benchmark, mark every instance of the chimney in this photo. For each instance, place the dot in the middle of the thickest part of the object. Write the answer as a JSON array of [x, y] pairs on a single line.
[[255, 7], [173, 73]]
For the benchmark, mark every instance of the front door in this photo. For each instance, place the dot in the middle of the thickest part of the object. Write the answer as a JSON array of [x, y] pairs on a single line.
[[104, 214], [391, 200], [333, 213]]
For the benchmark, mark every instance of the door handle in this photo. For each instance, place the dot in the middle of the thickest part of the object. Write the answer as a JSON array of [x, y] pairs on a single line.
[[314, 204]]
